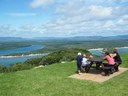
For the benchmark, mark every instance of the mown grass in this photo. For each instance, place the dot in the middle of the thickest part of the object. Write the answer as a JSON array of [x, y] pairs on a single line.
[[53, 80]]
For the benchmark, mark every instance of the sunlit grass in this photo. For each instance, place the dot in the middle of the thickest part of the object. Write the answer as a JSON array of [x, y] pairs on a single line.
[[53, 80]]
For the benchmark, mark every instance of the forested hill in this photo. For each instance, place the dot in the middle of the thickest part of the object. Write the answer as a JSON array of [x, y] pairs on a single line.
[[68, 54], [85, 38], [104, 38]]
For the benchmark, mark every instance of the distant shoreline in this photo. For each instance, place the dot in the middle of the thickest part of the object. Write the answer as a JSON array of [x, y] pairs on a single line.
[[22, 55], [121, 47], [47, 53], [96, 49], [103, 48]]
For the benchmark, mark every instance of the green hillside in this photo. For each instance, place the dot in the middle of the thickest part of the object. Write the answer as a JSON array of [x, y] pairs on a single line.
[[53, 80]]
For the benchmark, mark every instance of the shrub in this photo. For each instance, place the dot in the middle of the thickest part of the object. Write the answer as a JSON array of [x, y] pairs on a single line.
[[33, 61], [49, 60], [19, 66], [3, 69]]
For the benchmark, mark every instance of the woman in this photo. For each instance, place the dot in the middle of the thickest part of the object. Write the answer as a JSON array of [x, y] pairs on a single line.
[[117, 59], [109, 59], [110, 63]]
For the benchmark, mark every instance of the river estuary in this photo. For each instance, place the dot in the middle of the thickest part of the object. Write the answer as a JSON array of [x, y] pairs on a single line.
[[12, 60]]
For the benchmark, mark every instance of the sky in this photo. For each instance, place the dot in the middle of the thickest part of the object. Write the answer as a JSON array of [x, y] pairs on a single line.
[[63, 18]]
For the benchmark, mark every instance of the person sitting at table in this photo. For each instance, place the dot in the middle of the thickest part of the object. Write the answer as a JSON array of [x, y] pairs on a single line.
[[109, 59], [117, 59], [85, 62], [79, 63], [110, 64]]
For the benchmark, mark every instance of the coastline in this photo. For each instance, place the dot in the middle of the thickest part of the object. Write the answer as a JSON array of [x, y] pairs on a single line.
[[121, 47], [103, 48], [43, 54], [96, 49], [23, 55]]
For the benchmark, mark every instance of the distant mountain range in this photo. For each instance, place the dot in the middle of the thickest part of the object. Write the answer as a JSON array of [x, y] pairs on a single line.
[[85, 38], [11, 38], [76, 38], [92, 38]]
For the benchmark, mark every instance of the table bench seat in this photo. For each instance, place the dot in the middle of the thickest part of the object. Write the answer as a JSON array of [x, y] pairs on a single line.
[[108, 70]]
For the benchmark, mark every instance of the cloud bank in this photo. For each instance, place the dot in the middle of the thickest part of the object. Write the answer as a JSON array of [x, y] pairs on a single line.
[[78, 18]]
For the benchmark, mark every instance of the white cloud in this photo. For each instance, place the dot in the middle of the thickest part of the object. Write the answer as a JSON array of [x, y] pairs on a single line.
[[23, 31], [125, 17], [40, 3], [100, 11], [22, 14], [77, 17], [6, 30], [109, 25], [78, 10], [120, 21], [123, 21]]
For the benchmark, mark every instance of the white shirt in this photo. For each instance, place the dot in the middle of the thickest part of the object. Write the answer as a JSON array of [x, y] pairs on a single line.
[[84, 61]]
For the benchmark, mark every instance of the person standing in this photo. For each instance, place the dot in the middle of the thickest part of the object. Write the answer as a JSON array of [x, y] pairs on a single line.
[[79, 63]]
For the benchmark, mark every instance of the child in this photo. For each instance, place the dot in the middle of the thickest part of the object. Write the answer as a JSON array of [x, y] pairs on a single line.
[[84, 62], [79, 63]]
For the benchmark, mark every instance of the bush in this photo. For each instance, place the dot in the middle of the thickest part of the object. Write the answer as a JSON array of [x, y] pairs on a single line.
[[3, 69], [49, 60], [33, 61], [18, 67]]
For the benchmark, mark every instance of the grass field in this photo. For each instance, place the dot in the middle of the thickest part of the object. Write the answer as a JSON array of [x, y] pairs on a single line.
[[53, 80]]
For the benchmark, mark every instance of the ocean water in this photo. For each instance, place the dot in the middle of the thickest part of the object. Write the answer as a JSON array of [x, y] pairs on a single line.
[[20, 50], [98, 52], [9, 61], [13, 60]]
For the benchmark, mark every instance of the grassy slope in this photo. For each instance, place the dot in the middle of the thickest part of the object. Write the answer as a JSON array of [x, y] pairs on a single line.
[[53, 81]]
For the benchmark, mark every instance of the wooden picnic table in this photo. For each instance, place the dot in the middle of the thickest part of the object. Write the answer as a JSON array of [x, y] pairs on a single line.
[[98, 61]]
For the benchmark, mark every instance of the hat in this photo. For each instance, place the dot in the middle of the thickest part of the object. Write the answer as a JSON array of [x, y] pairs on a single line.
[[79, 53], [84, 55], [91, 56]]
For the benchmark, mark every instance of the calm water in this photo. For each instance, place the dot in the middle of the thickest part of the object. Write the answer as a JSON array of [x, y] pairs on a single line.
[[20, 50], [98, 52], [8, 61]]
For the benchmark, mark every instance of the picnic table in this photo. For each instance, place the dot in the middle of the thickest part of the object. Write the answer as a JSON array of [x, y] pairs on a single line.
[[97, 61]]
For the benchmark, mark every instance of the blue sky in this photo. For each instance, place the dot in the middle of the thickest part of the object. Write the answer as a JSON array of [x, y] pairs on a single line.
[[60, 18]]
